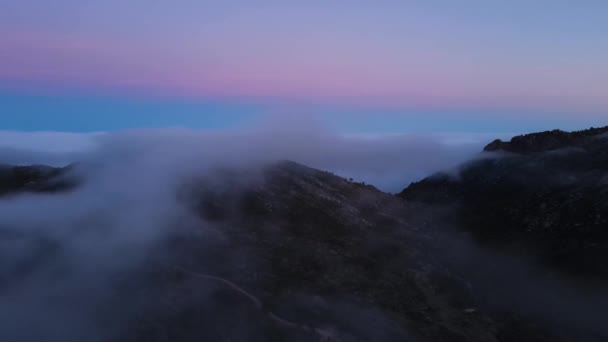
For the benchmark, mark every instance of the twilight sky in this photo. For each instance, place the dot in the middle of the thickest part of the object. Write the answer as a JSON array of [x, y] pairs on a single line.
[[361, 66]]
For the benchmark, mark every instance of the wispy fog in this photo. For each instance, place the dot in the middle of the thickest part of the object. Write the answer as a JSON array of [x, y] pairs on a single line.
[[63, 256], [389, 162]]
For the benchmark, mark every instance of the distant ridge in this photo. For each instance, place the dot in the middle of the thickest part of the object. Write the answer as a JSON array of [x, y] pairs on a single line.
[[545, 141]]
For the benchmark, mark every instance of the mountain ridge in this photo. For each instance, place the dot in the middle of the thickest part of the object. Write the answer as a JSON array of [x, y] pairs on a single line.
[[544, 193], [545, 141]]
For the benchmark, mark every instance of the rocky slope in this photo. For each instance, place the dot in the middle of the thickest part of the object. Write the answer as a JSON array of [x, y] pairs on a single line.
[[282, 252], [547, 141], [315, 250], [544, 194], [286, 252]]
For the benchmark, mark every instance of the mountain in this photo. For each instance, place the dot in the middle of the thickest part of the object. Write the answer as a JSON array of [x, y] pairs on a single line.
[[549, 140], [338, 259], [280, 252], [36, 178], [318, 251], [538, 206], [543, 194], [285, 252]]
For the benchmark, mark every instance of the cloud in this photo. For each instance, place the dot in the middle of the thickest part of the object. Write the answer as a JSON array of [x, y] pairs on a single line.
[[15, 156], [58, 142], [389, 162], [73, 247], [47, 148]]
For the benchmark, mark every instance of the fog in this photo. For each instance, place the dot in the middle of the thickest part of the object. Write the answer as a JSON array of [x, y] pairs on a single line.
[[387, 161], [64, 255]]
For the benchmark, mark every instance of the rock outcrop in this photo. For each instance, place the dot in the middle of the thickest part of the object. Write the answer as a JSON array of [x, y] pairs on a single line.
[[547, 197]]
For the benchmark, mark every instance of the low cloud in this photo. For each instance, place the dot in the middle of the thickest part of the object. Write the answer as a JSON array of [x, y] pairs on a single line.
[[76, 247], [390, 162]]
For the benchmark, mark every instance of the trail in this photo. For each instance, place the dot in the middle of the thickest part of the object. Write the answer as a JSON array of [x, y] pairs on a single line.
[[325, 335]]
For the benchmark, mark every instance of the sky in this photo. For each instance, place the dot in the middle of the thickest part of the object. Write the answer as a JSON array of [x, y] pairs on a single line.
[[360, 66]]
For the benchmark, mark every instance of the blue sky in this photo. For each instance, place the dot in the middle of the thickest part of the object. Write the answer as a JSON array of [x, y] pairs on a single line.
[[94, 113], [360, 66], [35, 112]]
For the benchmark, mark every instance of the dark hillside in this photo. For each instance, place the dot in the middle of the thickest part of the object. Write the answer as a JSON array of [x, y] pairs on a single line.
[[546, 194]]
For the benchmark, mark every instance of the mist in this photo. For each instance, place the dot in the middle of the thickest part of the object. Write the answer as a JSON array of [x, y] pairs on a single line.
[[70, 259], [64, 255], [388, 161]]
